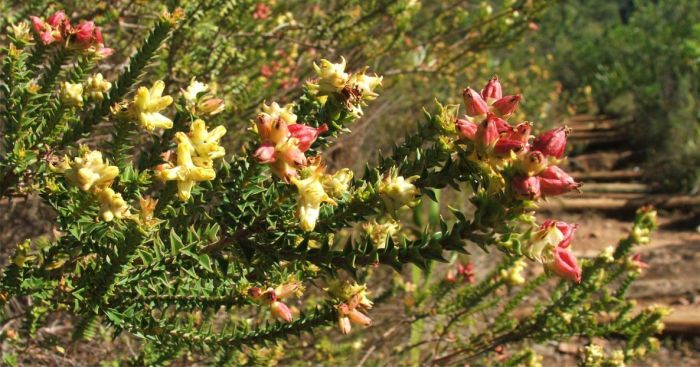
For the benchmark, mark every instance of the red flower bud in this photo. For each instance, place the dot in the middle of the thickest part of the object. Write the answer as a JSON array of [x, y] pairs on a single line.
[[565, 266], [637, 261], [85, 33], [492, 90], [566, 229], [466, 271], [526, 187], [520, 132], [474, 103], [306, 134], [487, 134], [502, 125], [554, 181], [56, 19], [358, 318], [466, 129], [265, 153], [281, 311], [506, 105], [552, 143], [504, 146]]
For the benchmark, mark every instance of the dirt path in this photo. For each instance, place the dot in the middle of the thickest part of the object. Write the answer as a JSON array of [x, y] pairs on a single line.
[[613, 189]]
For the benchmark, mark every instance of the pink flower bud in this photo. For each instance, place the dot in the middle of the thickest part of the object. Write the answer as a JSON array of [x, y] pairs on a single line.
[[474, 103], [38, 24], [281, 311], [566, 229], [565, 266], [520, 132], [306, 134], [492, 90], [265, 153], [57, 19], [526, 187], [358, 318], [637, 262], [504, 146], [466, 271], [85, 33], [506, 105], [450, 276], [502, 125], [487, 134], [552, 143], [554, 181], [466, 129]]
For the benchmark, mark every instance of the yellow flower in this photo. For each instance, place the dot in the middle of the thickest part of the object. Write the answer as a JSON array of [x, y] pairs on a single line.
[[186, 173], [311, 196], [332, 78], [21, 31], [72, 94], [96, 86], [88, 171], [205, 143], [514, 274], [542, 243], [397, 191], [366, 84], [274, 111], [336, 185], [194, 89], [379, 232], [148, 104], [112, 205]]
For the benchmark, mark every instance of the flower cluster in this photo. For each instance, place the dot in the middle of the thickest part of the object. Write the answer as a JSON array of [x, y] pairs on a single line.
[[353, 305], [532, 169], [58, 28], [397, 191], [92, 173], [464, 271], [353, 90], [74, 94], [196, 152], [272, 297], [380, 232], [550, 245], [283, 141], [199, 102]]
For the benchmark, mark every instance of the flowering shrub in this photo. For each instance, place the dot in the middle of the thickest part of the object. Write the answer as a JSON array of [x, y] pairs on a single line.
[[167, 234]]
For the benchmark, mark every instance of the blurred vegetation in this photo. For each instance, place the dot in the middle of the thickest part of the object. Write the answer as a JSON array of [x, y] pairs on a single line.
[[636, 60]]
